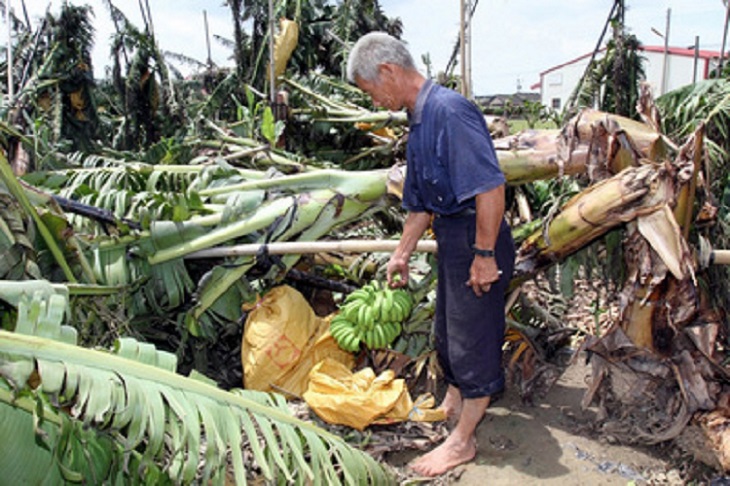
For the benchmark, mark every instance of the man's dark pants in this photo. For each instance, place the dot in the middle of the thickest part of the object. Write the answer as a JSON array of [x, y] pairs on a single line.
[[469, 330]]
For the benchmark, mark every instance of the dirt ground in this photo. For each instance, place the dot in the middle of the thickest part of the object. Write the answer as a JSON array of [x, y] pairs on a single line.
[[549, 443]]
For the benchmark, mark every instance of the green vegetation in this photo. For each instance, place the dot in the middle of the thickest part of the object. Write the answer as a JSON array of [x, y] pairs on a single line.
[[111, 192]]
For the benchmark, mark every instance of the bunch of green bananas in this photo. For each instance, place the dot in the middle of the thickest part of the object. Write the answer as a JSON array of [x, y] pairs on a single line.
[[371, 315]]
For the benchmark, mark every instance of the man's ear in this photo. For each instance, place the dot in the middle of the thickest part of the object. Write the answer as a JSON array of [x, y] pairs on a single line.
[[386, 71]]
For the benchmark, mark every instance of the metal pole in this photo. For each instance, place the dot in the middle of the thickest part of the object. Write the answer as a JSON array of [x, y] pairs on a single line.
[[11, 94], [697, 57], [572, 98], [272, 81], [665, 64], [724, 39], [207, 38]]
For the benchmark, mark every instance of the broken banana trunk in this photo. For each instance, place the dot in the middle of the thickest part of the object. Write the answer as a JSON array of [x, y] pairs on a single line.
[[661, 295], [590, 214], [664, 344], [593, 142]]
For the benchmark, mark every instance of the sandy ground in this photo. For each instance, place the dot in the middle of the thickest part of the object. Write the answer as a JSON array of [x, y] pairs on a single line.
[[547, 444]]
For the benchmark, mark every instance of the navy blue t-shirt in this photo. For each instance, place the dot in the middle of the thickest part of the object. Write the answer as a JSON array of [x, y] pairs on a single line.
[[450, 153]]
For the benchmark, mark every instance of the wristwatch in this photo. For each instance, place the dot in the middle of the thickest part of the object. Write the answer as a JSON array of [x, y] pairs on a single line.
[[482, 253]]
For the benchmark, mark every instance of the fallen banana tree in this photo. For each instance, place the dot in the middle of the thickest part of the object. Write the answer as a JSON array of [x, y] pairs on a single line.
[[663, 317], [303, 206], [575, 149], [191, 208], [638, 187], [660, 364]]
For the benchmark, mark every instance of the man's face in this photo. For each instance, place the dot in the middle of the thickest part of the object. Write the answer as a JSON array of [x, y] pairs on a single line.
[[383, 90]]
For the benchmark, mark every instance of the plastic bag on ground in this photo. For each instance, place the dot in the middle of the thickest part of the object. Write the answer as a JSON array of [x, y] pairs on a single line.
[[339, 396], [283, 340]]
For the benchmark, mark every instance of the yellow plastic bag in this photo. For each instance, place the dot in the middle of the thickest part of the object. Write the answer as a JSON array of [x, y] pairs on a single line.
[[283, 340], [339, 396]]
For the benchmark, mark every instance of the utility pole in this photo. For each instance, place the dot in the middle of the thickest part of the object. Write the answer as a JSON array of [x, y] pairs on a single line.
[[724, 37], [11, 94], [207, 39], [665, 64], [696, 60]]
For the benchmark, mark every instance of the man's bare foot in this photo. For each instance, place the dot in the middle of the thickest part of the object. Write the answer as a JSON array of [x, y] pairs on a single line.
[[445, 457]]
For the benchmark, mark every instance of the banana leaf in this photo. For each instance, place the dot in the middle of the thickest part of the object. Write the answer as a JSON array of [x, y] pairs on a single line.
[[142, 412]]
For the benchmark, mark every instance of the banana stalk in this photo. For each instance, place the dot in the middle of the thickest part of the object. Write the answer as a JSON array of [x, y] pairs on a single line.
[[646, 140], [594, 142], [590, 214], [691, 151], [344, 112], [352, 194], [305, 216], [271, 156], [309, 218], [367, 185], [539, 154]]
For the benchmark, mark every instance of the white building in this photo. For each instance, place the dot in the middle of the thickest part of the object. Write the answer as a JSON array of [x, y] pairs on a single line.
[[683, 66]]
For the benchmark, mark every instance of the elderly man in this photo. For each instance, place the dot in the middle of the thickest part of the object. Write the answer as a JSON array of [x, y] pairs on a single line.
[[454, 176]]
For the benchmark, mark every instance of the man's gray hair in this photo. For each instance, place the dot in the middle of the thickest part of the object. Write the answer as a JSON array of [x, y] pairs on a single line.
[[374, 49]]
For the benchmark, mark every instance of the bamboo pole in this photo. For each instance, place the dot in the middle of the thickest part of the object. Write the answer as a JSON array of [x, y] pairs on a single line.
[[707, 255], [11, 95], [462, 46], [573, 96], [301, 247], [272, 79], [720, 257]]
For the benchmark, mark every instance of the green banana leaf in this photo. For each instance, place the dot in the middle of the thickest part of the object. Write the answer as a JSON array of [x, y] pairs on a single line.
[[128, 406]]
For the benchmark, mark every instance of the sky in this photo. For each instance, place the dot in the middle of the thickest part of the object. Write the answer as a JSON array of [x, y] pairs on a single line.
[[512, 40]]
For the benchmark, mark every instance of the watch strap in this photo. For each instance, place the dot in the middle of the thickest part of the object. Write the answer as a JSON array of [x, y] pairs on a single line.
[[481, 252]]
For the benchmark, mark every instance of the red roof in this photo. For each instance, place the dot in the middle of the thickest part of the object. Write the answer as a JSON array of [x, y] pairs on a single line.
[[676, 51], [568, 63], [680, 51]]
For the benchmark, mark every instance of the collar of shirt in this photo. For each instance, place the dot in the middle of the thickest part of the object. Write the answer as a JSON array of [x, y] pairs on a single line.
[[415, 116]]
